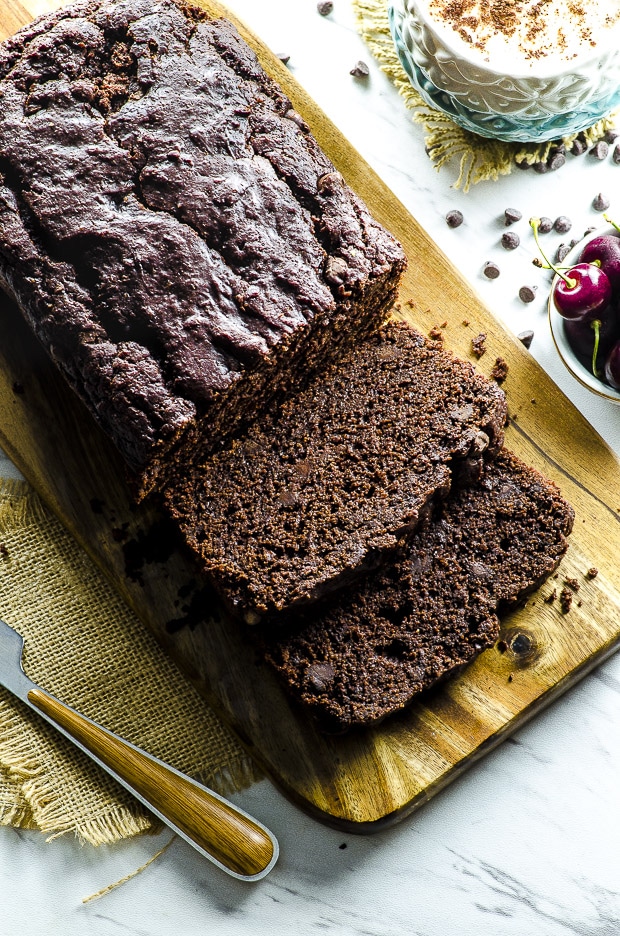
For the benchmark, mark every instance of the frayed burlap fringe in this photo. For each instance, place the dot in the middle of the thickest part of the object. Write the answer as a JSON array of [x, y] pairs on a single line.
[[81, 640], [478, 158]]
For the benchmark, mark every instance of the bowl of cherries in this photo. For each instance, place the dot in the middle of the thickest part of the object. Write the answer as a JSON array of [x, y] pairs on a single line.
[[584, 311]]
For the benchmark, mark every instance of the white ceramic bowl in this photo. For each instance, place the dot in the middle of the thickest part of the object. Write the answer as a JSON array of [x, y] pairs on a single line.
[[538, 99], [568, 357]]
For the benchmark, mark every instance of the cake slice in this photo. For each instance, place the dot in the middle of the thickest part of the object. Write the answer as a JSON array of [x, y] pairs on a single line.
[[409, 626], [170, 228], [333, 482]]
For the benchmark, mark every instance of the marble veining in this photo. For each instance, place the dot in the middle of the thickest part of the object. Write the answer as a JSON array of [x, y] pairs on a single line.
[[526, 842]]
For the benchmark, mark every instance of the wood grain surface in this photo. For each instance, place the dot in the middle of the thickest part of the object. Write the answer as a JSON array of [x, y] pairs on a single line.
[[368, 779]]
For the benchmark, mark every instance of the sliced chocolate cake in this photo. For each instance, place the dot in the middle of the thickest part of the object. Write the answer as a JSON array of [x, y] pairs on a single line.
[[410, 625], [333, 482]]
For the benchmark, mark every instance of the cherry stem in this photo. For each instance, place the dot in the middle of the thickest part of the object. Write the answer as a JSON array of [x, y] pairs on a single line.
[[571, 283], [609, 221], [595, 325]]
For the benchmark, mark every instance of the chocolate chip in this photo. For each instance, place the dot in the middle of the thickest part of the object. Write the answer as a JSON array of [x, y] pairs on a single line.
[[526, 337], [562, 252], [600, 202], [491, 270], [540, 167], [284, 57], [454, 218], [616, 154], [578, 147], [527, 293], [611, 136], [556, 161], [325, 7], [562, 224], [360, 70], [546, 225], [510, 240], [511, 215], [600, 150], [320, 676]]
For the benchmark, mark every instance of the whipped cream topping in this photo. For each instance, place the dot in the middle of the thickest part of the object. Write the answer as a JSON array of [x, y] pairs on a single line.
[[526, 33]]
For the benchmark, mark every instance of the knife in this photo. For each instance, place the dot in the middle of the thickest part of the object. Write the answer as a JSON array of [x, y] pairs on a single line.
[[223, 833]]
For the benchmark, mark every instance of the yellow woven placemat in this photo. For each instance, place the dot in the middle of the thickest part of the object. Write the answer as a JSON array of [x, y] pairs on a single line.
[[478, 158], [85, 646]]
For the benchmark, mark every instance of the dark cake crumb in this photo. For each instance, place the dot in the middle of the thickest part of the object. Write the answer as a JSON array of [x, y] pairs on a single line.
[[566, 600], [478, 344], [4, 552], [551, 596], [573, 583], [592, 573], [500, 370]]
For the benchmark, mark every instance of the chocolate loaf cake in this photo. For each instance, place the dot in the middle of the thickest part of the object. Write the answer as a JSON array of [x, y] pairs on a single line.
[[413, 624], [170, 228], [334, 481]]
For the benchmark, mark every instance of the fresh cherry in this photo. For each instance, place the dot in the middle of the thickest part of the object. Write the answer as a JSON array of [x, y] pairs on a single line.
[[591, 341], [583, 294], [604, 250], [612, 367]]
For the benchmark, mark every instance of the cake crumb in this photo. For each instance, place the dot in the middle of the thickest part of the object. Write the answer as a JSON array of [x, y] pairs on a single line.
[[478, 344], [573, 583], [500, 370], [435, 333], [592, 573], [466, 322], [509, 677], [566, 600], [4, 551], [551, 596]]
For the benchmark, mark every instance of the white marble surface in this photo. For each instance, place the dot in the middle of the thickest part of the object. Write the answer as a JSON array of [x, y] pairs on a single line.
[[528, 842]]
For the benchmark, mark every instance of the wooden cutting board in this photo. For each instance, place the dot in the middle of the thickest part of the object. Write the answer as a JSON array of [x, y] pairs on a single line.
[[363, 781]]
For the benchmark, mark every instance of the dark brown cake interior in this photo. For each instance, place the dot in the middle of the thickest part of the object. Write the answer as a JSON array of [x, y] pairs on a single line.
[[330, 484], [419, 620]]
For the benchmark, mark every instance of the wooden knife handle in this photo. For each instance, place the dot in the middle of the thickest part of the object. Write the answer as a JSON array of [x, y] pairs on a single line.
[[213, 825]]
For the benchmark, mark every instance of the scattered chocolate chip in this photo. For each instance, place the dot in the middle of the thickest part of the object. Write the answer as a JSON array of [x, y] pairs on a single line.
[[491, 270], [600, 150], [562, 252], [325, 7], [522, 164], [454, 218], [616, 154], [511, 215], [592, 573], [600, 202], [566, 600], [360, 70], [545, 225], [510, 240], [540, 167], [556, 161], [500, 370], [588, 231], [526, 337], [611, 136], [562, 224], [573, 583], [527, 293], [578, 147], [477, 344], [284, 57]]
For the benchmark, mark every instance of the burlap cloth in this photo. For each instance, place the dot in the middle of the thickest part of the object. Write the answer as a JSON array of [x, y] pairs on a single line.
[[84, 645], [478, 159]]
